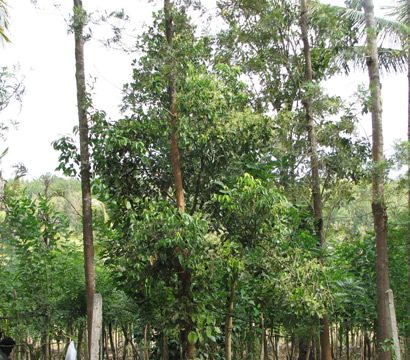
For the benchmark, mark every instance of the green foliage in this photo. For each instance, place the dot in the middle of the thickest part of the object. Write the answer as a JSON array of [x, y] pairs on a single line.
[[69, 159], [218, 135], [39, 262], [354, 282], [245, 169], [272, 251]]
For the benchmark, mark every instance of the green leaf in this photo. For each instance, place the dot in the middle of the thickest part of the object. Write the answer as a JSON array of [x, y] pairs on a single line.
[[192, 337]]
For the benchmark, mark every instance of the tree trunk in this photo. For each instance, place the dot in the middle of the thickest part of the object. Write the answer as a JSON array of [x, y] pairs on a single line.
[[368, 348], [112, 343], [45, 340], [146, 345], [305, 346], [79, 18], [184, 274], [250, 339], [80, 342], [347, 343], [264, 347], [175, 160], [185, 296], [128, 340], [164, 347], [229, 318], [378, 203], [314, 164]]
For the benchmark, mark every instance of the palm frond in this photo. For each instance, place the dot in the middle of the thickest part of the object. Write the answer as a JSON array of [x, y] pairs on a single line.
[[388, 30], [4, 153], [390, 60], [394, 33], [399, 11], [4, 21]]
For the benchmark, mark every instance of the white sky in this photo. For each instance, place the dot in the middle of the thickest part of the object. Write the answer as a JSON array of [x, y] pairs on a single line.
[[45, 52]]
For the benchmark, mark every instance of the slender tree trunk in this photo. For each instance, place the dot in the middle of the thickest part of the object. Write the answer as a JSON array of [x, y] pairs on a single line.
[[146, 346], [175, 160], [229, 318], [128, 340], [264, 347], [378, 203], [184, 274], [251, 339], [303, 349], [310, 343], [185, 296], [79, 18], [368, 347], [80, 342], [347, 343], [124, 350], [112, 343], [45, 340], [164, 347], [314, 164]]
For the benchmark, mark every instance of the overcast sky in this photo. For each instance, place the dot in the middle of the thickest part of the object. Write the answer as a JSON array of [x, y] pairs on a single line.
[[45, 52]]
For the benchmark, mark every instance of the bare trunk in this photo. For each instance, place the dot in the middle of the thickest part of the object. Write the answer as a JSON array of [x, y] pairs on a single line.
[[229, 319], [314, 164], [124, 350], [310, 343], [368, 348], [80, 342], [146, 346], [326, 352], [184, 274], [175, 160], [79, 15], [263, 353], [45, 340], [378, 204], [112, 343], [347, 343], [164, 347], [128, 340], [185, 296], [251, 340]]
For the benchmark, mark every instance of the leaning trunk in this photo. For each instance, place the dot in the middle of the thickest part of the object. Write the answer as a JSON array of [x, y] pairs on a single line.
[[314, 164], [79, 18], [378, 203]]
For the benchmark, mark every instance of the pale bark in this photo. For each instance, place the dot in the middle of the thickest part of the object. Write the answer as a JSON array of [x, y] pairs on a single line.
[[85, 165], [314, 164], [378, 203]]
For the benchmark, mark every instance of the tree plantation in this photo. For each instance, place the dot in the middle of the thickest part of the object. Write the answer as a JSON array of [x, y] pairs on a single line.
[[233, 210]]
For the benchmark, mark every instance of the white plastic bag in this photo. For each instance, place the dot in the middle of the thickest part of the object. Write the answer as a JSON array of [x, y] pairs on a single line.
[[71, 352]]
